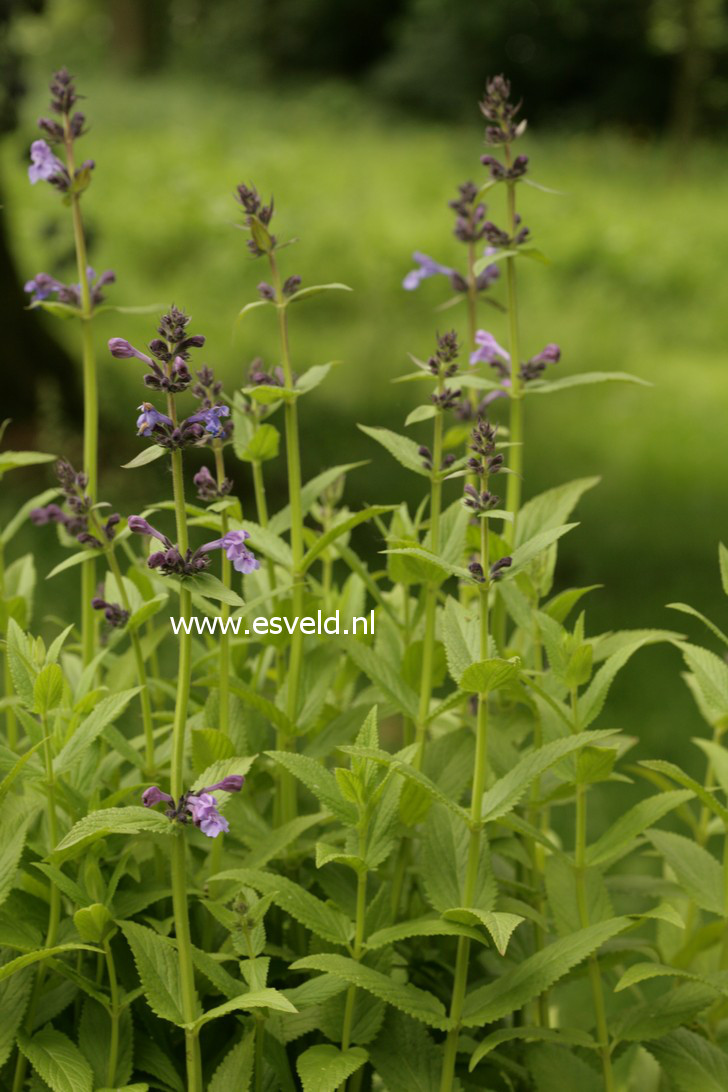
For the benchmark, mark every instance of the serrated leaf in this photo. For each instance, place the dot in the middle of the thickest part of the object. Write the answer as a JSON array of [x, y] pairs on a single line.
[[697, 871], [405, 1056], [99, 824], [582, 379], [341, 527], [691, 1062], [158, 966], [323, 1068], [384, 675], [536, 973], [281, 520], [666, 1012], [236, 1069], [552, 508], [105, 713], [404, 450], [669, 769], [255, 999], [319, 781], [561, 1036], [15, 965], [48, 689], [490, 675], [93, 1039], [410, 999], [14, 993], [461, 635], [57, 1060], [500, 926], [406, 770], [421, 927], [534, 546], [327, 922], [619, 839]]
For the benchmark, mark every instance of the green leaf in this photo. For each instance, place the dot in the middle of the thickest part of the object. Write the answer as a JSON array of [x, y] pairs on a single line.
[[217, 771], [21, 516], [145, 612], [583, 379], [410, 999], [406, 770], [489, 675], [326, 921], [12, 840], [563, 1036], [534, 546], [70, 562], [262, 446], [643, 972], [723, 562], [404, 450], [420, 413], [18, 964], [691, 1062], [57, 1060], [99, 824], [319, 781], [317, 289], [697, 871], [313, 377], [13, 460], [669, 769], [551, 509], [255, 999], [500, 926], [94, 1041], [446, 848], [313, 489], [208, 586], [684, 608], [267, 542], [148, 455], [385, 676], [536, 973], [7, 782], [664, 1013], [105, 713], [503, 796], [619, 839], [461, 635], [342, 527], [591, 702], [405, 1056], [323, 1068], [253, 306], [14, 993], [421, 927], [236, 1069], [157, 963], [555, 1069], [93, 923]]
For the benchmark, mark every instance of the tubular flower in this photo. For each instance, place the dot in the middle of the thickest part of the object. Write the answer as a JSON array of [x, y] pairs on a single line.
[[233, 543]]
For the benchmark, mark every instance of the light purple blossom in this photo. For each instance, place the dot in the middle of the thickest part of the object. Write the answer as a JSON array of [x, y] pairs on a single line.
[[149, 418], [233, 543], [122, 350], [42, 286], [210, 418], [232, 783], [154, 795], [44, 165], [550, 354], [428, 267], [203, 809], [489, 349]]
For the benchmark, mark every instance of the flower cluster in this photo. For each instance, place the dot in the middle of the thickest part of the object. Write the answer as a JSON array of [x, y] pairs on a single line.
[[201, 807], [490, 352], [79, 508], [207, 487], [114, 613], [207, 390], [482, 442], [495, 573], [257, 218], [168, 371], [258, 377], [428, 267], [500, 113], [170, 560], [43, 286], [44, 164]]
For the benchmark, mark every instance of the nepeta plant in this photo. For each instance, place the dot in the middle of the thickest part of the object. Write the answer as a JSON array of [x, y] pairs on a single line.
[[255, 858]]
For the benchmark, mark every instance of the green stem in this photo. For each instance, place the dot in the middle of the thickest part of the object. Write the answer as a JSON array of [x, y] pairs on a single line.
[[428, 646], [141, 670], [460, 982], [11, 722], [358, 947], [286, 782], [54, 912], [179, 867], [515, 454], [114, 1013], [226, 577]]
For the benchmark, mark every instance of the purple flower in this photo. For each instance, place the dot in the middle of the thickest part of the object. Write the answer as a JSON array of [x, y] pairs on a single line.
[[43, 164], [428, 267], [491, 272], [42, 286], [154, 795], [203, 809], [141, 527], [233, 543], [550, 354], [489, 349], [232, 783], [150, 418], [122, 350], [211, 418]]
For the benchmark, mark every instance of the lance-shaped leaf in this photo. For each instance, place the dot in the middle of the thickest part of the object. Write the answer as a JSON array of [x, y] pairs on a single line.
[[106, 712], [551, 509], [20, 962], [99, 824], [532, 547], [148, 455], [697, 871], [536, 973], [256, 999], [341, 527], [620, 839], [158, 966], [508, 790], [400, 766], [404, 450], [654, 1018], [326, 921], [563, 1036], [691, 1061], [583, 379], [669, 769], [422, 927], [236, 1069], [324, 1068], [500, 925], [385, 676], [410, 999], [319, 781], [280, 521], [57, 1060]]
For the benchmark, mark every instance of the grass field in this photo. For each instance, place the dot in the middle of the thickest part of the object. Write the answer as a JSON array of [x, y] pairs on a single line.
[[634, 284]]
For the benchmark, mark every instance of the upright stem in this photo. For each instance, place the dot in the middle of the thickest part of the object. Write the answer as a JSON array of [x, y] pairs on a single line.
[[460, 982], [90, 405], [595, 975], [515, 456], [54, 911], [286, 782], [226, 577], [11, 723], [179, 866], [115, 1013], [141, 670], [357, 950], [428, 645]]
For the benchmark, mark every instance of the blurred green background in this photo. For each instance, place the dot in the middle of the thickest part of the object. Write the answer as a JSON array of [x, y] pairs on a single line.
[[362, 119]]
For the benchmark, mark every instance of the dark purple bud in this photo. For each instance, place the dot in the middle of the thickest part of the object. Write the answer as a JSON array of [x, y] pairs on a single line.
[[291, 285], [233, 783], [154, 795], [266, 291], [476, 570]]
